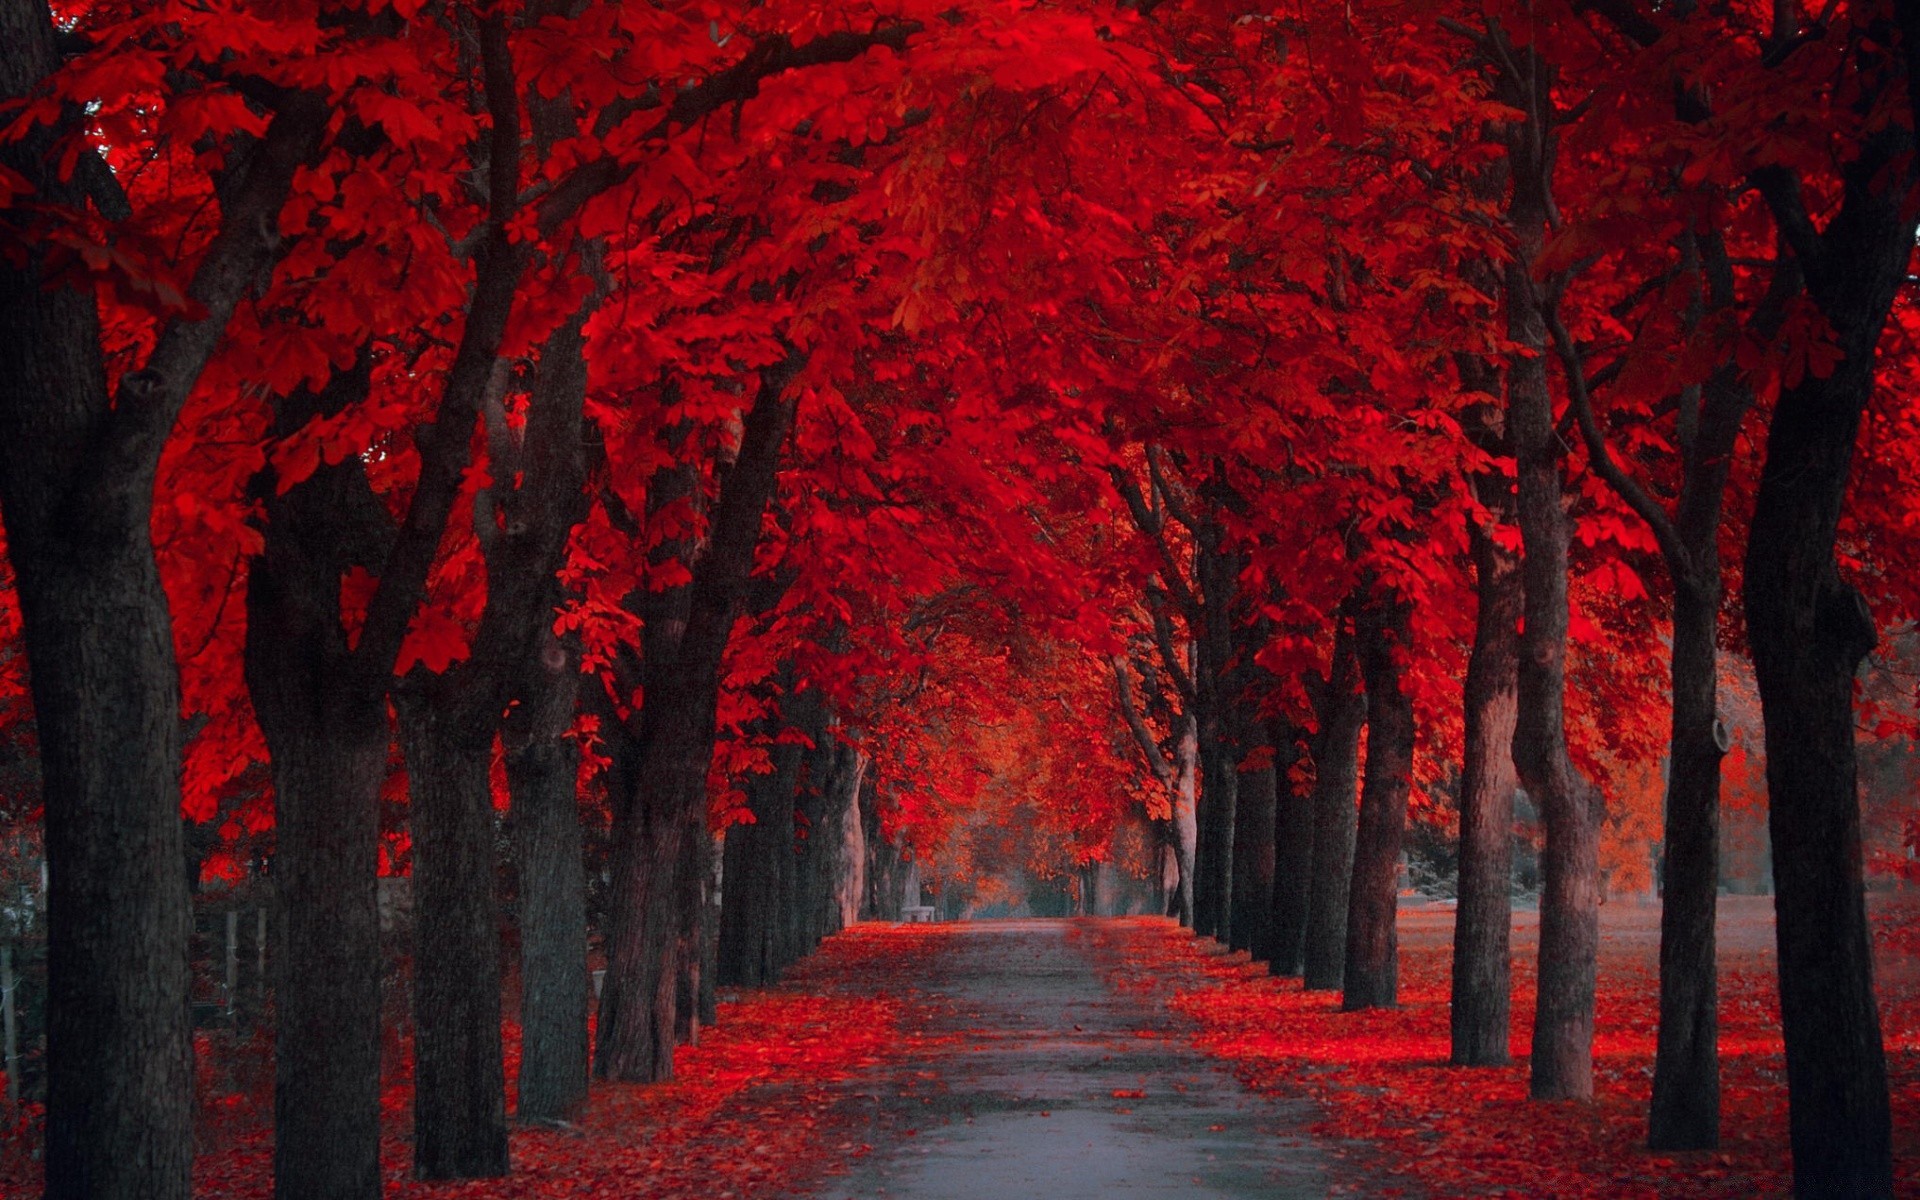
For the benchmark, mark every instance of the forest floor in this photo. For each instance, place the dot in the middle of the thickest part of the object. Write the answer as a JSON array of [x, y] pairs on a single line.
[[1087, 1058]]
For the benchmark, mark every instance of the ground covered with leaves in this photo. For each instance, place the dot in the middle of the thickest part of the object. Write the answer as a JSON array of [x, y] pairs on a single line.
[[752, 1110], [1382, 1079]]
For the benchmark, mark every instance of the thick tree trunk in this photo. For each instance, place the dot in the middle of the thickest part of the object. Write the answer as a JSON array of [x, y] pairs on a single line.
[[640, 991], [329, 761], [1372, 975], [77, 467], [326, 728], [543, 767], [674, 750], [749, 911], [1336, 763], [1253, 850], [459, 1108], [1809, 630], [119, 1077], [1481, 1013]]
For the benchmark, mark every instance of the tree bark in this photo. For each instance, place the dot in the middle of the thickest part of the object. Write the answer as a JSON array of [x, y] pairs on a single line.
[[77, 465], [543, 766], [1809, 630], [1293, 835], [325, 723], [1372, 974], [675, 748], [750, 899], [1186, 806], [459, 1110], [1253, 848], [1342, 713], [1481, 1012]]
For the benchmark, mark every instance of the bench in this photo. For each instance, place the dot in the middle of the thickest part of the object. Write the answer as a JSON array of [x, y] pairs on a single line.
[[917, 913]]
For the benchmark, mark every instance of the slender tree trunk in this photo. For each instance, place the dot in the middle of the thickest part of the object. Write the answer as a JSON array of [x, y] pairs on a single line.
[[1253, 850], [1561, 1065], [1293, 861], [543, 767], [1809, 630], [1685, 1112], [1372, 976], [696, 872], [1336, 763], [459, 1109], [1186, 802], [1481, 1012]]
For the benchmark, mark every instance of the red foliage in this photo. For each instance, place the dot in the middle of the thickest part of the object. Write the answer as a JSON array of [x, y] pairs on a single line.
[[752, 1109], [1382, 1078]]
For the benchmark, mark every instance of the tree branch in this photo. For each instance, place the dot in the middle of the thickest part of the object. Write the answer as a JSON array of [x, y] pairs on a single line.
[[1679, 561]]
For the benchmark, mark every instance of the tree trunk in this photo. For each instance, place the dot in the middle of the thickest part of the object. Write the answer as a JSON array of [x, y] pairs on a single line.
[[1481, 1013], [1186, 829], [1336, 763], [325, 724], [1685, 1112], [1253, 851], [639, 993], [1809, 630], [77, 467], [119, 1072], [696, 874], [749, 910], [543, 767], [1292, 889], [329, 760], [459, 1106], [1561, 1065], [674, 750], [1372, 975]]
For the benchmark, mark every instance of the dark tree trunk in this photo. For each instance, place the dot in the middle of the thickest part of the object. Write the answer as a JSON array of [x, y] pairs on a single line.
[[674, 750], [1292, 889], [1561, 1064], [459, 1109], [325, 724], [750, 897], [1342, 712], [1481, 1014], [1809, 630], [543, 767], [1253, 850], [77, 466], [1372, 975], [1685, 1112], [696, 873], [119, 1074]]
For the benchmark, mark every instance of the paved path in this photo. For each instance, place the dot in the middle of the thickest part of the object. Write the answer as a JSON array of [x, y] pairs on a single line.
[[1026, 1106]]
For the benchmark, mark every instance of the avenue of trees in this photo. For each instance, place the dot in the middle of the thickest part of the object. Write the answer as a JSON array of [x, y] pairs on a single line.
[[746, 451]]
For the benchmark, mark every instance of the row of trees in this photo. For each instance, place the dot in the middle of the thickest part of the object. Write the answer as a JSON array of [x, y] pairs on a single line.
[[701, 412]]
